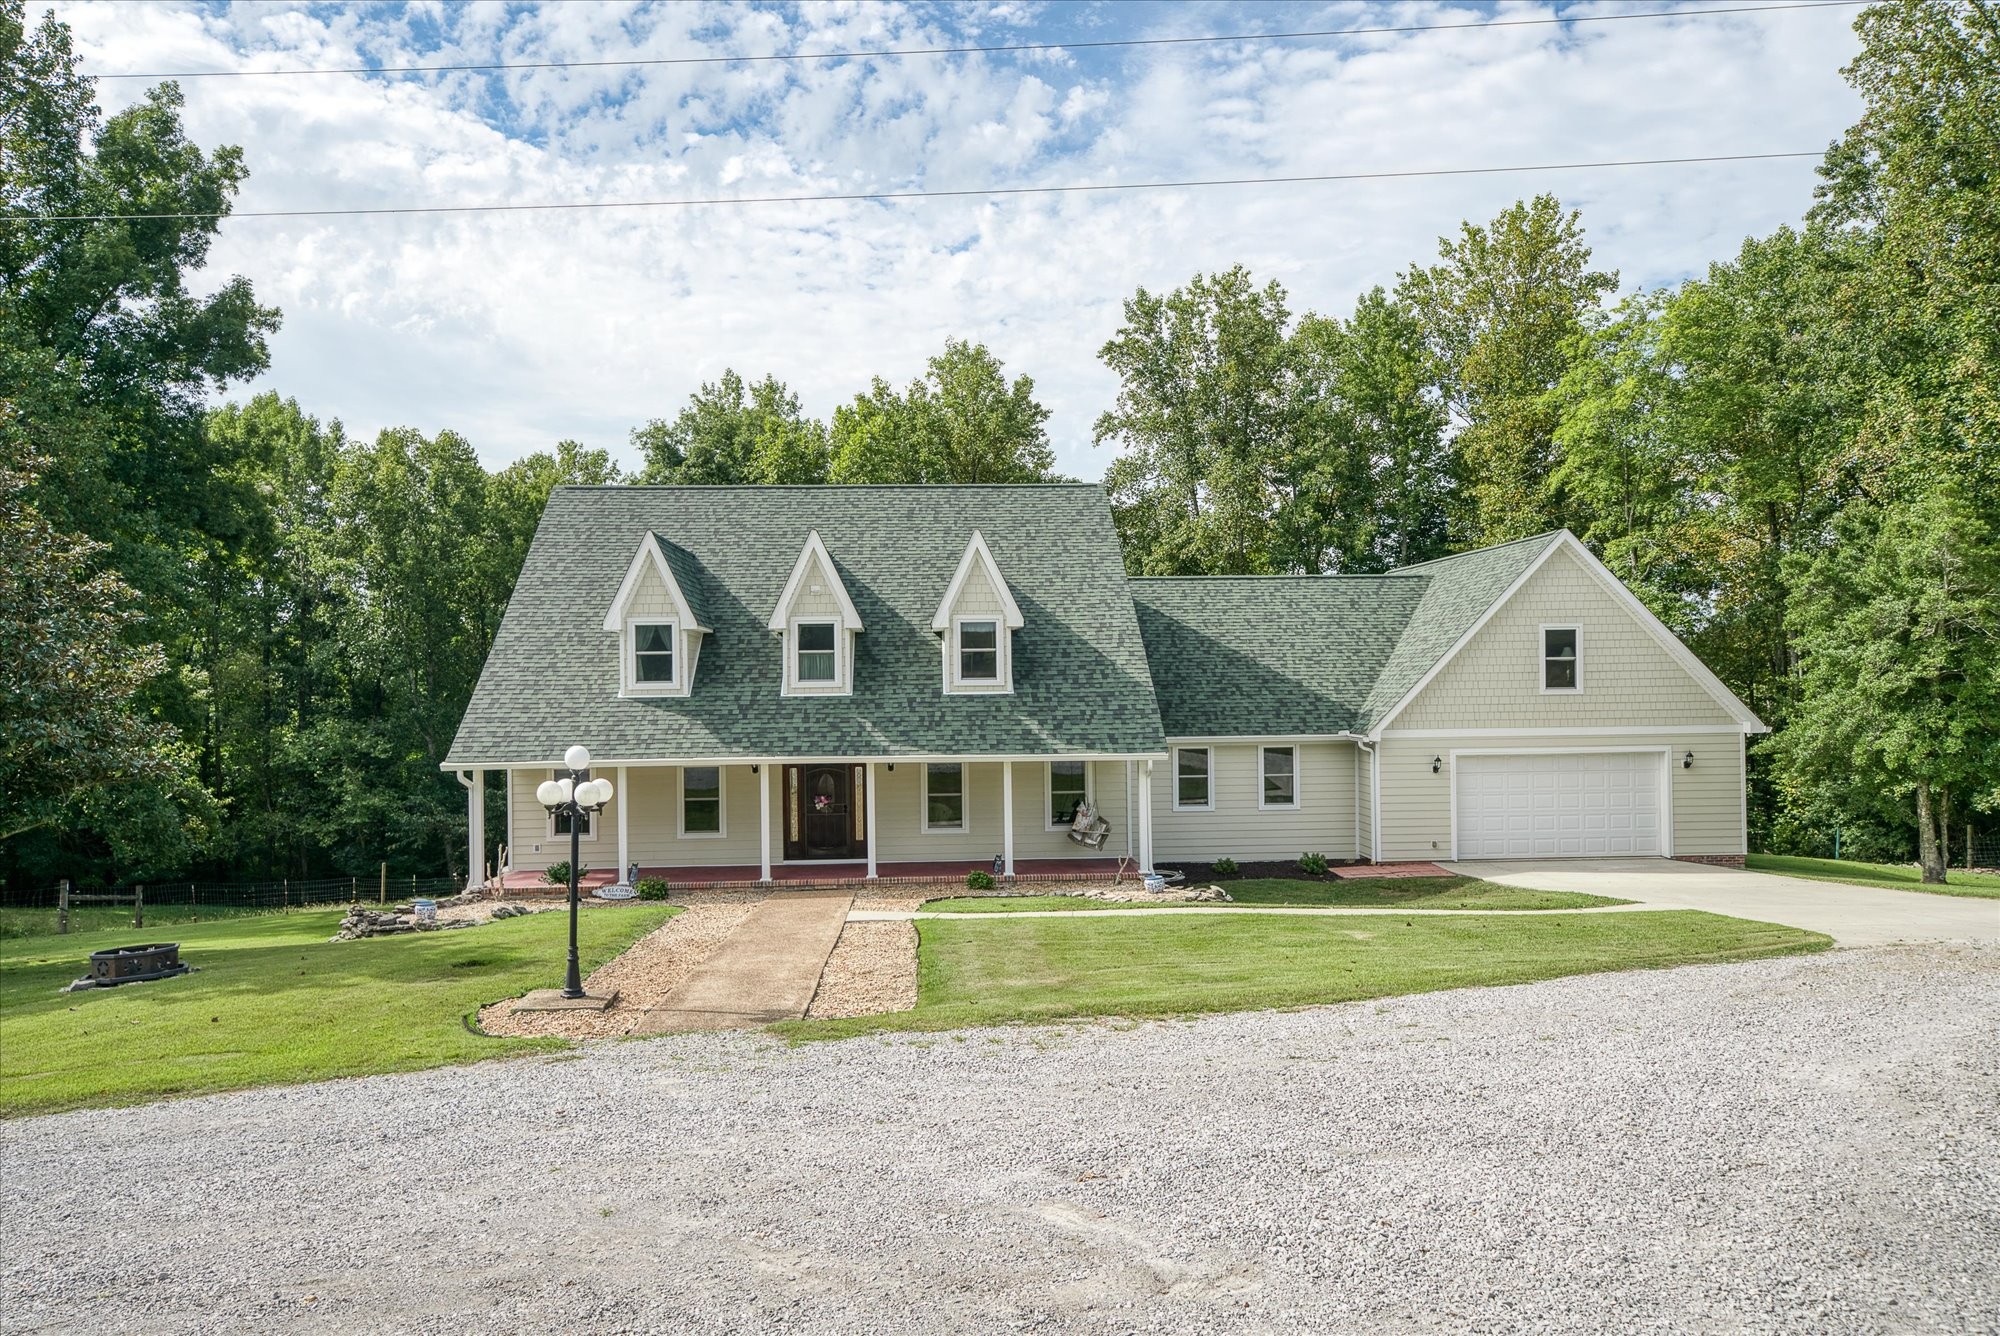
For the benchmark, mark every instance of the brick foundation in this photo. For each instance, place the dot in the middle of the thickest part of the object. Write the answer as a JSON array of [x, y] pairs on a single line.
[[1712, 860]]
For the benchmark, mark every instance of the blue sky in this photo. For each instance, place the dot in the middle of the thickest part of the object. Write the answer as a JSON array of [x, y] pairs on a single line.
[[518, 330]]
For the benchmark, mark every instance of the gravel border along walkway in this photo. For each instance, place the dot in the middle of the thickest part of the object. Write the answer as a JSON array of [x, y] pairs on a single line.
[[1808, 1145]]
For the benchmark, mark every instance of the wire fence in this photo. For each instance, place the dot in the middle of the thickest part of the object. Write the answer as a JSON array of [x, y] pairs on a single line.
[[33, 911]]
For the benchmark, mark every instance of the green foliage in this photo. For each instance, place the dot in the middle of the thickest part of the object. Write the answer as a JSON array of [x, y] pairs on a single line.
[[976, 880], [1313, 865], [1223, 867], [1499, 314], [652, 888], [732, 433], [960, 422], [557, 874]]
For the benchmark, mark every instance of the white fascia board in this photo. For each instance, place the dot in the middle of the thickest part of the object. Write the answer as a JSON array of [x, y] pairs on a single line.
[[814, 547], [601, 763], [1375, 733], [1687, 658], [976, 551], [649, 551]]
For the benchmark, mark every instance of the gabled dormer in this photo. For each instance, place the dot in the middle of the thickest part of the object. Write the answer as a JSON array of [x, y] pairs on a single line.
[[818, 624], [659, 628], [977, 619]]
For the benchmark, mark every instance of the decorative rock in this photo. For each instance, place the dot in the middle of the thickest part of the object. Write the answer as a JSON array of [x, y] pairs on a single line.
[[1172, 895]]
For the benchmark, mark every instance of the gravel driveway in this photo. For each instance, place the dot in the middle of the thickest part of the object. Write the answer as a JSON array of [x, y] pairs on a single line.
[[1808, 1144]]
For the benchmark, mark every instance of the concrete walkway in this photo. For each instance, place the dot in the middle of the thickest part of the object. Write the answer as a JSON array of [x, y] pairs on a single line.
[[765, 970], [1140, 911], [1851, 915]]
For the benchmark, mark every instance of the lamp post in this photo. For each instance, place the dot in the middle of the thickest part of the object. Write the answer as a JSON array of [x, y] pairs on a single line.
[[577, 797]]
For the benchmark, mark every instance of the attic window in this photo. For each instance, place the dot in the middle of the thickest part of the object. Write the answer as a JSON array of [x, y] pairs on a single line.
[[1560, 659], [979, 651], [653, 652], [816, 651]]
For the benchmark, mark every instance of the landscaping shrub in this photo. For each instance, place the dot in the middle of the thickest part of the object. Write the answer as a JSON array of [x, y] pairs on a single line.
[[1313, 865], [557, 874], [976, 880], [1223, 867], [651, 888]]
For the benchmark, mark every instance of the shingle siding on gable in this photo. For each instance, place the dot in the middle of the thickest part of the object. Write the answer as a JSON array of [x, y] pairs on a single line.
[[977, 598], [1629, 679], [810, 604], [650, 598]]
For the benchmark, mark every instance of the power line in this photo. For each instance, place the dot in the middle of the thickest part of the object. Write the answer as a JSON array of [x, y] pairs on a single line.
[[895, 195], [1013, 48]]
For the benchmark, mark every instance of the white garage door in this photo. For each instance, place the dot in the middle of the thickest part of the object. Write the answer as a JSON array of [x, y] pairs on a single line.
[[1574, 805]]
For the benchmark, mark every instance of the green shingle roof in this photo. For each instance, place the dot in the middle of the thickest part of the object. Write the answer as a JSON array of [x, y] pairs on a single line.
[[1245, 656], [1081, 679]]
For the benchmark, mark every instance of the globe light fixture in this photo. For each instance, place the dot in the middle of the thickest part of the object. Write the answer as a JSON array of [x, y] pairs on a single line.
[[577, 797]]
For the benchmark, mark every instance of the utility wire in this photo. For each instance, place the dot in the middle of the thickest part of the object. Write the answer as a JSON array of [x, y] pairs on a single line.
[[1014, 48], [894, 195]]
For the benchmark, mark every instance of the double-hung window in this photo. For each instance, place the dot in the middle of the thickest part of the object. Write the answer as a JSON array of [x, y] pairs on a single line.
[[944, 796], [1279, 777], [1068, 790], [701, 800], [1560, 660], [1192, 788], [817, 653], [653, 654], [978, 651]]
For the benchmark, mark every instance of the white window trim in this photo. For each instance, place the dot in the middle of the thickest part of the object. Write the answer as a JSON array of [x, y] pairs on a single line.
[[843, 658], [964, 826], [1174, 778], [1003, 644], [1298, 797], [1542, 658], [549, 821], [670, 687], [1049, 792], [721, 805]]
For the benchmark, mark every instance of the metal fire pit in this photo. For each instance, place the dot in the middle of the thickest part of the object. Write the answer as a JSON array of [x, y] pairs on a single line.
[[135, 964]]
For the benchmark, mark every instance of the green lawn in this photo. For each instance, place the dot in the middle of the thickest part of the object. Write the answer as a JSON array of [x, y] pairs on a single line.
[[1896, 876], [1364, 893], [1048, 969], [274, 1002], [16, 923]]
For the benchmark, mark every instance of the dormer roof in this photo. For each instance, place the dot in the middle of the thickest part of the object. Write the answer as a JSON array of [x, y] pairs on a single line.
[[677, 570], [814, 554], [977, 557]]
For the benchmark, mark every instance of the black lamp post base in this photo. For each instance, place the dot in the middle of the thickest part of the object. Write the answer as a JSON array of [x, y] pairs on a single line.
[[554, 999]]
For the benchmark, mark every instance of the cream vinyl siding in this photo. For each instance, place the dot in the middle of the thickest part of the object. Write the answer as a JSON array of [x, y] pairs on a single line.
[[1323, 823], [823, 605], [1364, 801], [899, 810], [1706, 801], [650, 601], [1628, 678], [651, 793], [977, 597]]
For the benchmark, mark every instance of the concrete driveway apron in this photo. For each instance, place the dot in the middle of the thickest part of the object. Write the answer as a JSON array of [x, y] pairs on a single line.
[[1851, 915]]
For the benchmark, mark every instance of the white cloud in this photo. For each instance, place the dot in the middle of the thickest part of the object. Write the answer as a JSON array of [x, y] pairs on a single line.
[[519, 329]]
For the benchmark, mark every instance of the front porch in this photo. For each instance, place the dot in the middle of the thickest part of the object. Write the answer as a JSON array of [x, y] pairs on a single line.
[[796, 875]]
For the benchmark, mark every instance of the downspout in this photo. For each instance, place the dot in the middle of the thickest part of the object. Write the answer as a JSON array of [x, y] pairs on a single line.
[[1374, 799]]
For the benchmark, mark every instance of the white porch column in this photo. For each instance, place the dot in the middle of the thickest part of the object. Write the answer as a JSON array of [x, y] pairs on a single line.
[[764, 822], [624, 836], [475, 832], [870, 796], [1145, 816], [1007, 818]]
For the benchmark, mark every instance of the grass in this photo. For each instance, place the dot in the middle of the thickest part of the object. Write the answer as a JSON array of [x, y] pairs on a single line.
[[274, 1002], [1051, 969], [1896, 876], [18, 923], [1361, 893]]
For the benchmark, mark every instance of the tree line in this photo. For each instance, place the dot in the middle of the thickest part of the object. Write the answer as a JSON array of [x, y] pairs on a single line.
[[236, 641]]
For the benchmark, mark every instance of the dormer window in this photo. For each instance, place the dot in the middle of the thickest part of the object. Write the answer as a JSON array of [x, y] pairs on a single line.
[[657, 623], [976, 621], [817, 654], [978, 651], [653, 653]]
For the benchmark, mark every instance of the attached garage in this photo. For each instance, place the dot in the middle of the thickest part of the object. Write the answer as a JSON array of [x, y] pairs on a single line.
[[1560, 804]]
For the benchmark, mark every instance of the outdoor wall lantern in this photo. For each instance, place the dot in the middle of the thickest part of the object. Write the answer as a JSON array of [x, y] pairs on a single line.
[[1687, 762], [1437, 764], [576, 797]]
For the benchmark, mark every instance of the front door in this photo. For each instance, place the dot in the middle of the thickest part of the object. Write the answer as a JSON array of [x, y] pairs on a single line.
[[825, 811]]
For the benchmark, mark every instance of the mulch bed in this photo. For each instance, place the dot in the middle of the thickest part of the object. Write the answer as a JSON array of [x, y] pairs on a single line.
[[1289, 871]]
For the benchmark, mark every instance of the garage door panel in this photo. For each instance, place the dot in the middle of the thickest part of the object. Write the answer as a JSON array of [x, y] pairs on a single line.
[[1558, 805]]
